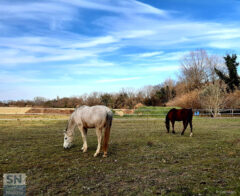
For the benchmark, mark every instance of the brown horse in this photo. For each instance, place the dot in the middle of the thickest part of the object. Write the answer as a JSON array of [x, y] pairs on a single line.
[[184, 115]]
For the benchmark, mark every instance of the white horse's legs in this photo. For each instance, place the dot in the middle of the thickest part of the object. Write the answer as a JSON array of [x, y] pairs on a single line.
[[84, 138], [99, 137]]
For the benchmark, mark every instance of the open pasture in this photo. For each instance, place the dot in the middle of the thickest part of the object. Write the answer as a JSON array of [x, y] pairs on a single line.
[[143, 159]]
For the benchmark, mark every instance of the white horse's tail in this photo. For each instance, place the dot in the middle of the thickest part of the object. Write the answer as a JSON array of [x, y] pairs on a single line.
[[109, 119], [107, 132]]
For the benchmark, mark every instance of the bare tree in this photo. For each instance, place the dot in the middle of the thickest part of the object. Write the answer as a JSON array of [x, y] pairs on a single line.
[[192, 69], [39, 101], [147, 91], [198, 68], [93, 99], [169, 85], [213, 97], [213, 62]]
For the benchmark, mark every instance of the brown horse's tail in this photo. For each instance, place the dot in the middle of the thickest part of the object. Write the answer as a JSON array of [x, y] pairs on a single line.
[[167, 123], [107, 133]]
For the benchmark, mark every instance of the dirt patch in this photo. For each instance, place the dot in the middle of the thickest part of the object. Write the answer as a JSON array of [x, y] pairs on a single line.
[[138, 105], [128, 111], [122, 112]]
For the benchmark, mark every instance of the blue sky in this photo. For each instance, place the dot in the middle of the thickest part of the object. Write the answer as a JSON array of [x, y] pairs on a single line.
[[67, 48]]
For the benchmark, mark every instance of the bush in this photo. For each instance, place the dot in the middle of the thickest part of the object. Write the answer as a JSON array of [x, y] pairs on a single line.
[[233, 100], [188, 100]]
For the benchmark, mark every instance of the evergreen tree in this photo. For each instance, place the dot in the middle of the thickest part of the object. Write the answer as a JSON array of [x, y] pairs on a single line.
[[162, 95], [232, 79], [106, 99]]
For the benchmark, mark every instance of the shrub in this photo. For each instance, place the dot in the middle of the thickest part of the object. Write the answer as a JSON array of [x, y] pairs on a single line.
[[233, 100], [188, 100]]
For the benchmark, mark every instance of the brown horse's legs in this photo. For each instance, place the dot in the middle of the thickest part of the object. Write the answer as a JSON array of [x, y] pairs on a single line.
[[191, 128], [173, 126], [185, 124]]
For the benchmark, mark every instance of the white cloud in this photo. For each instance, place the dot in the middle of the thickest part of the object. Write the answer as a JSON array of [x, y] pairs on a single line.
[[172, 56], [93, 63], [36, 11], [157, 57], [165, 68], [226, 44], [118, 79], [20, 50], [94, 42], [134, 34], [123, 6], [150, 54], [16, 59], [20, 77]]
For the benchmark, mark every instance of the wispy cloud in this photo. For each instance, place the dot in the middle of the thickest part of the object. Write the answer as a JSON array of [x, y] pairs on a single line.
[[20, 58], [123, 6], [95, 42], [93, 63], [150, 54], [30, 51], [165, 68], [226, 44], [19, 77], [118, 79], [40, 12]]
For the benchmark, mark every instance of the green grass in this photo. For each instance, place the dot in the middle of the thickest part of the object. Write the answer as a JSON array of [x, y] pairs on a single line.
[[147, 111], [143, 158], [153, 110]]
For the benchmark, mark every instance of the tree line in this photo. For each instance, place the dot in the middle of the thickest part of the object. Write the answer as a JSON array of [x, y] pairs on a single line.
[[204, 81]]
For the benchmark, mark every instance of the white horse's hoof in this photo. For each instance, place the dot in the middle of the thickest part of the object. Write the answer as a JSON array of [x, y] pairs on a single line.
[[96, 154], [191, 134], [82, 148]]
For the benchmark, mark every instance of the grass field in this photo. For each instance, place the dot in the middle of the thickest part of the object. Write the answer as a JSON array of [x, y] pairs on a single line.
[[153, 110], [143, 158]]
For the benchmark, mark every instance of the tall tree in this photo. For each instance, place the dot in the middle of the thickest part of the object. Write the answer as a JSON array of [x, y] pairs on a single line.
[[232, 79], [192, 69], [197, 69]]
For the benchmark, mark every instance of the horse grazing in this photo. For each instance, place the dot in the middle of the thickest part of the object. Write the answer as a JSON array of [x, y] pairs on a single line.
[[99, 117], [184, 115]]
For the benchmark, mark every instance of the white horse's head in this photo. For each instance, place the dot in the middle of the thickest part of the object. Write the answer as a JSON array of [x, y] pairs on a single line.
[[68, 140]]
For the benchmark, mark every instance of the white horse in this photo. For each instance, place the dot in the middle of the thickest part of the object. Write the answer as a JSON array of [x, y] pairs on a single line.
[[85, 117]]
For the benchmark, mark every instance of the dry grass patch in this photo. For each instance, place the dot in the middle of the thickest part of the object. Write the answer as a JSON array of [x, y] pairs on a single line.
[[14, 110]]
